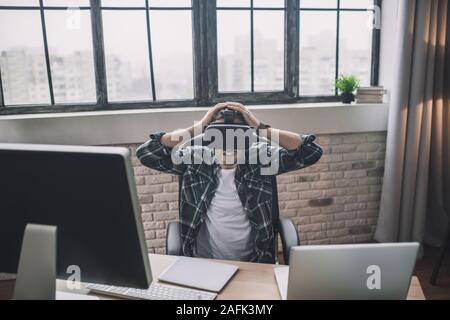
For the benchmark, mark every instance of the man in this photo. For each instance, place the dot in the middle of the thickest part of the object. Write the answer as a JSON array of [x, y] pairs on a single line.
[[226, 204]]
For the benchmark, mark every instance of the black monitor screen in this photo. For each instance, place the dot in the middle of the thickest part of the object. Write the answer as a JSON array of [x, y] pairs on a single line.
[[89, 196]]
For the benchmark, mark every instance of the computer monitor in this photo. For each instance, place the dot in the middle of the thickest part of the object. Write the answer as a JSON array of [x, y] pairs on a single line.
[[89, 193]]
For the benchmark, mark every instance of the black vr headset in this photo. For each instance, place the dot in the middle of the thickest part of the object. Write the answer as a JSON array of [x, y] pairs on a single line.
[[228, 135]]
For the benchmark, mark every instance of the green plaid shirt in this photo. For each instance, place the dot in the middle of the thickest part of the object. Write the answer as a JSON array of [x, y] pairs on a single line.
[[254, 189]]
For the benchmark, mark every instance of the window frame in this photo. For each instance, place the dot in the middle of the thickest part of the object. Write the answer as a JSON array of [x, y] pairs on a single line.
[[205, 62]]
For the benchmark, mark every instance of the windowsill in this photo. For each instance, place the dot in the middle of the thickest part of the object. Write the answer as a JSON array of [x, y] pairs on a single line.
[[314, 106], [133, 126]]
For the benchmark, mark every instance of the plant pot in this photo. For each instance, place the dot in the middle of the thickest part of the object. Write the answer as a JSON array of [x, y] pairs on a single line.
[[347, 97]]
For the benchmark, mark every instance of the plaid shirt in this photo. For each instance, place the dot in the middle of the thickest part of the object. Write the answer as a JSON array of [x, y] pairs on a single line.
[[254, 189]]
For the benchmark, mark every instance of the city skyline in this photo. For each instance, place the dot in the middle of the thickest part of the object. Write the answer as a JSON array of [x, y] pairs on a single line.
[[24, 73]]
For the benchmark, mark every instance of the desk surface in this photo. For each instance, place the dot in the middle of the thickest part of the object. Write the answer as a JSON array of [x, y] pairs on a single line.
[[252, 281]]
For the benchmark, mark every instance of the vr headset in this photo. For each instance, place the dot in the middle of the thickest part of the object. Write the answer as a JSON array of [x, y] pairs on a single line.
[[228, 135]]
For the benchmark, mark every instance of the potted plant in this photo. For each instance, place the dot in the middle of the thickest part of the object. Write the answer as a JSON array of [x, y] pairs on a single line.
[[347, 85]]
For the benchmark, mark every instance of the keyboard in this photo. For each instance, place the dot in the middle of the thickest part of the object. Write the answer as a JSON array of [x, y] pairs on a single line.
[[156, 291], [7, 276]]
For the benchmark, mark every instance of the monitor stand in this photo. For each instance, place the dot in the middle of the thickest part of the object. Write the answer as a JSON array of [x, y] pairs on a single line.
[[36, 275]]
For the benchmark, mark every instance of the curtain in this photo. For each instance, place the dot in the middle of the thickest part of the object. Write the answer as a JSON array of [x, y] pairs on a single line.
[[414, 203]]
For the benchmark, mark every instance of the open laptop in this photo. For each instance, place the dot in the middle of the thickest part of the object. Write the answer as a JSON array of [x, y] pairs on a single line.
[[353, 271]]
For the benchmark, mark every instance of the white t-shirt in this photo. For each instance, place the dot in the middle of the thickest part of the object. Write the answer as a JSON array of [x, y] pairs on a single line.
[[226, 232]]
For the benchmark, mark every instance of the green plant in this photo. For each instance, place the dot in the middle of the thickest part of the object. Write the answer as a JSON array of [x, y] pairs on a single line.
[[347, 84]]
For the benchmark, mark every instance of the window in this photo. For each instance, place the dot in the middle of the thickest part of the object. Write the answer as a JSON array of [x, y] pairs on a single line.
[[334, 39], [69, 40], [46, 55], [22, 59], [141, 64], [250, 42], [317, 66], [73, 55], [126, 55], [174, 74]]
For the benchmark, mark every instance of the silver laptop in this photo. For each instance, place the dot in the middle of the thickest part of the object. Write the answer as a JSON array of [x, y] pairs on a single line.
[[354, 271]]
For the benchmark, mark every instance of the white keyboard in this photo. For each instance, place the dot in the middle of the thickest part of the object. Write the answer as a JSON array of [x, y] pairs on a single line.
[[7, 276], [156, 291]]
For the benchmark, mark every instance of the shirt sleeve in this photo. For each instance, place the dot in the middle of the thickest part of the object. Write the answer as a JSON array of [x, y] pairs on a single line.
[[155, 155], [281, 160]]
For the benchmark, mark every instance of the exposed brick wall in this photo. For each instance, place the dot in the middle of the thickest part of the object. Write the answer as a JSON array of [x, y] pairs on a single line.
[[334, 201]]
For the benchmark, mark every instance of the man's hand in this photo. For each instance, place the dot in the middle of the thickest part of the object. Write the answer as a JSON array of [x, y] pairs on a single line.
[[286, 139], [209, 116], [249, 117], [176, 137]]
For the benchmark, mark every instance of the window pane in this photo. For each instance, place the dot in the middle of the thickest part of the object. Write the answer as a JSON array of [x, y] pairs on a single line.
[[67, 3], [169, 3], [233, 47], [359, 4], [269, 50], [268, 3], [233, 3], [355, 47], [19, 2], [22, 59], [317, 52], [71, 55], [122, 3], [318, 3], [126, 51], [172, 60]]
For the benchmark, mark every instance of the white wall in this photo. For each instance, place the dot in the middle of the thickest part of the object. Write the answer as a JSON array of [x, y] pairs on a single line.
[[133, 126], [388, 45]]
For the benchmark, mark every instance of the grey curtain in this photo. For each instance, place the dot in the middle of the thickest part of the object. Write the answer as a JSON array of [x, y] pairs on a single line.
[[416, 185]]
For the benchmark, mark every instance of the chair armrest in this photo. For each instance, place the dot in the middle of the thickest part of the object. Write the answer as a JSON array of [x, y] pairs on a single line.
[[289, 237], [173, 241]]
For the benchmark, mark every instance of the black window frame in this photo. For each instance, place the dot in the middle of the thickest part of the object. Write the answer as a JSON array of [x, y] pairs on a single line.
[[205, 61]]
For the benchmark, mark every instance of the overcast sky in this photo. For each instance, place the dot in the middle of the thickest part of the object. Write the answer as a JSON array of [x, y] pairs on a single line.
[[125, 31]]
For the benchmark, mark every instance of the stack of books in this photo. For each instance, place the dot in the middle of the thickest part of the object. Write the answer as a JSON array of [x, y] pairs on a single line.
[[370, 94]]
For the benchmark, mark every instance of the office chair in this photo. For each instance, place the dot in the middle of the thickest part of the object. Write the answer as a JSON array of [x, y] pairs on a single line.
[[443, 251], [284, 226]]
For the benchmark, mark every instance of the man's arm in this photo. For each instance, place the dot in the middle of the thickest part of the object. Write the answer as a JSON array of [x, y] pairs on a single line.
[[286, 139], [172, 139], [156, 152], [296, 152]]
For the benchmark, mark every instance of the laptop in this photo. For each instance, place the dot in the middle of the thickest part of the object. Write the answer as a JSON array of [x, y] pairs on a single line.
[[352, 271]]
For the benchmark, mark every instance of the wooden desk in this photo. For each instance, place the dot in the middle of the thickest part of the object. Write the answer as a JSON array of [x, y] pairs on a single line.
[[251, 281]]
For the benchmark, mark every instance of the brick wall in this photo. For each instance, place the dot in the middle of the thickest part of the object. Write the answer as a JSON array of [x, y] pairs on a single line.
[[334, 201]]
